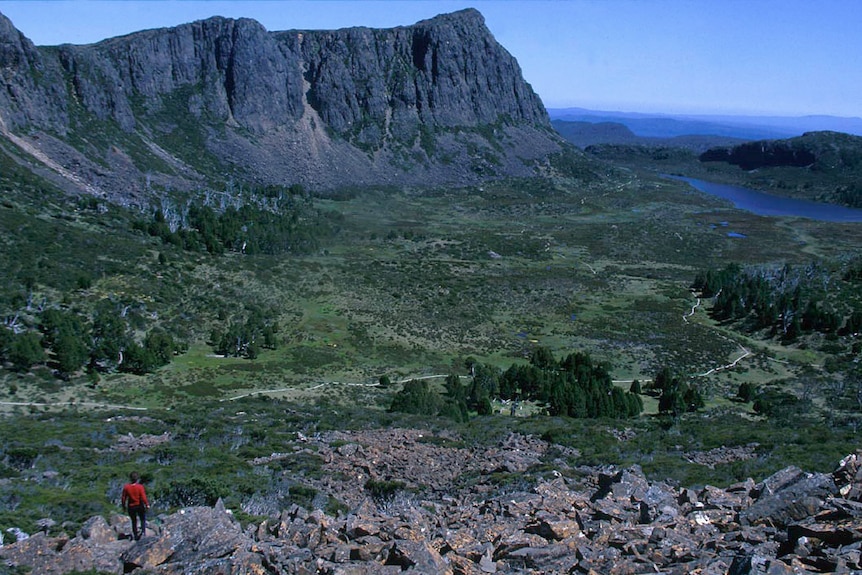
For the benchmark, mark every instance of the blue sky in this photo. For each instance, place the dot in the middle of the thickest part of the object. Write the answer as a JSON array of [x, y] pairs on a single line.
[[759, 57]]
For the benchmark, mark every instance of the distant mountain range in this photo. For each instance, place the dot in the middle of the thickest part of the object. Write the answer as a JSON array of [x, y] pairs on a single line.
[[740, 127], [583, 134]]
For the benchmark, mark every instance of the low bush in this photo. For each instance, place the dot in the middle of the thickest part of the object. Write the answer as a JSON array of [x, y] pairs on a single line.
[[382, 489]]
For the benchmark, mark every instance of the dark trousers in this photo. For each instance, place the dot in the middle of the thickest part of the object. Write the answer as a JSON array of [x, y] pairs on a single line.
[[138, 512]]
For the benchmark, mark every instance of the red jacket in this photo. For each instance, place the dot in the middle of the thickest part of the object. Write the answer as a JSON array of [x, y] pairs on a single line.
[[134, 495]]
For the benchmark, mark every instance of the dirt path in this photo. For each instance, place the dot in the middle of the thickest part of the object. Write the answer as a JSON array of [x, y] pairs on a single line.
[[691, 312], [745, 351], [325, 383], [70, 404]]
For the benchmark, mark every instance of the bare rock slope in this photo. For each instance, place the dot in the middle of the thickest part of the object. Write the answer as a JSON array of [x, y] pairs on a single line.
[[586, 520]]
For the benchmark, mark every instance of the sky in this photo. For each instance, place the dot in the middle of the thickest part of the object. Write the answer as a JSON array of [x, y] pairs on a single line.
[[752, 57]]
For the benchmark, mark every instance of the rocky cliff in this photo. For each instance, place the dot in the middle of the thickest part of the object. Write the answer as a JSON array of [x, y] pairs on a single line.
[[823, 166], [587, 520], [439, 102]]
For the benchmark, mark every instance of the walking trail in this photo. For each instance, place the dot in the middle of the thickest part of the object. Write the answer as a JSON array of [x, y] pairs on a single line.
[[745, 353]]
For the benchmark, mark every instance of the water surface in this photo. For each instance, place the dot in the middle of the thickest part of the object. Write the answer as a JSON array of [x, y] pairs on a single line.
[[764, 204]]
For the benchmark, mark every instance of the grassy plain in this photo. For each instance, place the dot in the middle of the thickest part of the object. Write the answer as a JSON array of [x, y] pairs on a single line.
[[412, 285], [416, 282]]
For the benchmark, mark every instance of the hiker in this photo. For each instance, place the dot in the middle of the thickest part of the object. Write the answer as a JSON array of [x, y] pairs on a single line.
[[134, 501]]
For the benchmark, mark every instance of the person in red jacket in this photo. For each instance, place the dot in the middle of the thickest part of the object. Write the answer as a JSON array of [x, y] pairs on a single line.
[[134, 501]]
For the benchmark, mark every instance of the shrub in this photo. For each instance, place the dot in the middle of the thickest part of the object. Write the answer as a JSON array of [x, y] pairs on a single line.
[[302, 495], [21, 458], [383, 490], [193, 492]]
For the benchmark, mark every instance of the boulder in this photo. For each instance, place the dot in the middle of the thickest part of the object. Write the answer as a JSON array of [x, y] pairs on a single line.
[[553, 528], [417, 556], [97, 530], [192, 534], [791, 498]]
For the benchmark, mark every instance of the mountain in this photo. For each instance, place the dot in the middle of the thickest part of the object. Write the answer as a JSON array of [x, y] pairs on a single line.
[[583, 134], [825, 166], [741, 127], [439, 102]]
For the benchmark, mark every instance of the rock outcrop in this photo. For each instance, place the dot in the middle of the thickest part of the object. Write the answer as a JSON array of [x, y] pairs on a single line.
[[587, 521], [822, 166], [439, 102], [754, 155]]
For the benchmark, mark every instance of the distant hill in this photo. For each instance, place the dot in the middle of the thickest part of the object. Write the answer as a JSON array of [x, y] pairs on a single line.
[[742, 127], [584, 134], [820, 165]]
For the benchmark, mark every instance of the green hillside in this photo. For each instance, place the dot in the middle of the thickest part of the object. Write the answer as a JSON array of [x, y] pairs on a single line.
[[396, 285]]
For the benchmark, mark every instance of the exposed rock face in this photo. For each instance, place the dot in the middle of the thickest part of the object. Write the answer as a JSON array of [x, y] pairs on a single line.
[[753, 155], [822, 166], [607, 520], [827, 152], [32, 88], [437, 102]]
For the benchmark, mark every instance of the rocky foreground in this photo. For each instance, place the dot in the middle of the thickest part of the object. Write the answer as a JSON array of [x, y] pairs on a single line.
[[606, 521]]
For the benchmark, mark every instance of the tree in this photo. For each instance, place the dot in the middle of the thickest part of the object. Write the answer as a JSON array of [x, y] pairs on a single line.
[[672, 401], [455, 404], [270, 341], [26, 351], [747, 391], [108, 335], [485, 384], [7, 336], [543, 358], [416, 397], [484, 407], [71, 353], [693, 399], [672, 398], [636, 387], [66, 334], [469, 363], [137, 359], [384, 381], [161, 346], [663, 378]]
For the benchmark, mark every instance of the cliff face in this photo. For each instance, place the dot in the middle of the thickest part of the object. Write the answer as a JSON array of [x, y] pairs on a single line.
[[823, 166], [31, 88], [439, 102], [754, 155]]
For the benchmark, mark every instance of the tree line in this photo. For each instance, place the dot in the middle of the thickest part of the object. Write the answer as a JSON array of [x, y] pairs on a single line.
[[69, 341], [787, 302], [246, 337], [284, 221], [575, 386]]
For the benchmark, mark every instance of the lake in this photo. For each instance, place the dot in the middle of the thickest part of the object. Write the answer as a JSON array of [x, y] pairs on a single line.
[[764, 204]]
